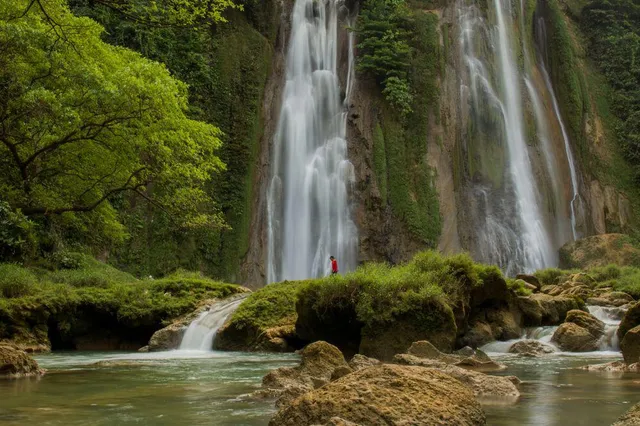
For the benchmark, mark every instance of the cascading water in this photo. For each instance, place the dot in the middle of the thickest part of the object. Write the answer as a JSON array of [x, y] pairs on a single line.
[[510, 227], [308, 210], [202, 331], [609, 315]]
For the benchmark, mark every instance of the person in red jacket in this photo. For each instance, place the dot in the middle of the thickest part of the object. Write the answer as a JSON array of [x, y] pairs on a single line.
[[334, 265]]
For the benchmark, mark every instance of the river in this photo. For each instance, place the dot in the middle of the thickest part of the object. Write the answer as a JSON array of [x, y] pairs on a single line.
[[198, 388]]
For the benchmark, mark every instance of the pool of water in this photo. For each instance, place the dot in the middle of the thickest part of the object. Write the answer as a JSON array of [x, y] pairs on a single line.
[[163, 388], [556, 392], [197, 388]]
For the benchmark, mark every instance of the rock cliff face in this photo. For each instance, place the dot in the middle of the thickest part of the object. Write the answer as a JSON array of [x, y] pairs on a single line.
[[459, 145]]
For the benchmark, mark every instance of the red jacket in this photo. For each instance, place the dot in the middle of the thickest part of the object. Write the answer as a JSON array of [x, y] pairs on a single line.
[[334, 265]]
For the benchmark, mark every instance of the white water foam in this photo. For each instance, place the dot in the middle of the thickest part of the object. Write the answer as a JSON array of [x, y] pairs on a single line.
[[201, 332]]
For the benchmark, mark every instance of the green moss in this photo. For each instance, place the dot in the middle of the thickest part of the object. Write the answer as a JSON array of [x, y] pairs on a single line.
[[410, 180], [135, 307], [380, 162], [271, 306]]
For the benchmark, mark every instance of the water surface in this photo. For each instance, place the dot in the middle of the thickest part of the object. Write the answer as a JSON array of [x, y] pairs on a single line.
[[163, 388]]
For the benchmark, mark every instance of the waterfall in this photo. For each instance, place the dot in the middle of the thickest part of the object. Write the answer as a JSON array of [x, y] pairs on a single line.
[[202, 331], [510, 229], [308, 209]]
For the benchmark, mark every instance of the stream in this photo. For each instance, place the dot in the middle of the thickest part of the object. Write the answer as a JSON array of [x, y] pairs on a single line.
[[197, 388]]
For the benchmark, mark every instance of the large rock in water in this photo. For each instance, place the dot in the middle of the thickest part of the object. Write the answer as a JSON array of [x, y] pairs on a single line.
[[16, 363], [587, 321], [387, 395], [599, 250], [319, 362], [530, 348], [630, 320], [630, 346], [167, 338], [581, 332], [630, 418], [483, 385]]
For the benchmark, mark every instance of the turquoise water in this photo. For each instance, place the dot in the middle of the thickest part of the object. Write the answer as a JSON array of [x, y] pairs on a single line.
[[198, 388], [165, 388], [555, 392]]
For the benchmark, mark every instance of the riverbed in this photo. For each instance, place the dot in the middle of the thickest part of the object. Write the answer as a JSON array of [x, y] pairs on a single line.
[[198, 388]]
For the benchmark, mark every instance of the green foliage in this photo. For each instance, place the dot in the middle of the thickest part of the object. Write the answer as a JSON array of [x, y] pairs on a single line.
[[17, 238], [272, 305], [518, 287], [380, 162], [226, 70], [127, 304], [167, 13], [381, 293], [85, 123], [16, 281], [383, 48], [408, 181], [550, 276], [620, 278], [613, 31]]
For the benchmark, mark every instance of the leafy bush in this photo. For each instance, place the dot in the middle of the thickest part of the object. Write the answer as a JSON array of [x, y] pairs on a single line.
[[16, 281], [518, 287], [16, 234], [550, 276]]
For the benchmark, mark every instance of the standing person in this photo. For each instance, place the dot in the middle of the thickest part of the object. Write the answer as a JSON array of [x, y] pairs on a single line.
[[334, 265]]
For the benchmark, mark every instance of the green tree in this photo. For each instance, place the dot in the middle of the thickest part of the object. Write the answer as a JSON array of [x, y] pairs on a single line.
[[83, 123]]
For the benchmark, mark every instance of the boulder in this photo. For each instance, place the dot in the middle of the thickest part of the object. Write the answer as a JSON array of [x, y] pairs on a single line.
[[585, 320], [599, 250], [630, 320], [614, 367], [573, 338], [383, 342], [470, 359], [531, 311], [530, 348], [386, 395], [555, 308], [319, 362], [359, 361], [630, 418], [630, 346], [17, 363], [168, 337], [483, 385], [530, 279]]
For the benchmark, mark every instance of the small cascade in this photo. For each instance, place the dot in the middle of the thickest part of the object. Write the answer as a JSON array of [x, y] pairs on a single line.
[[610, 316], [201, 332]]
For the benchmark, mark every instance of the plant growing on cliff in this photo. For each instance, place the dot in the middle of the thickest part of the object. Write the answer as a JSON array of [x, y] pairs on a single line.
[[85, 124], [383, 48]]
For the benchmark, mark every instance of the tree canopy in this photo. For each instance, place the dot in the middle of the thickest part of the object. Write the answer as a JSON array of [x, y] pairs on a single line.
[[83, 123]]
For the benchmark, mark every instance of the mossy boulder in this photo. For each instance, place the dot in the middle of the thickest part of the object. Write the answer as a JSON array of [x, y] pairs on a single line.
[[387, 394], [432, 321], [16, 363], [265, 321], [600, 250], [555, 308]]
